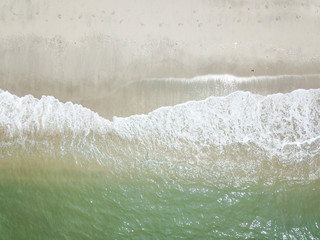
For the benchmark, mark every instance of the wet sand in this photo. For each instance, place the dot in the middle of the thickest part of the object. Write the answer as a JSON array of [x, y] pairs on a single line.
[[79, 51]]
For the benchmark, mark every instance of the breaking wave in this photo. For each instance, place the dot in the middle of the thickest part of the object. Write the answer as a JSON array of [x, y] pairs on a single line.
[[144, 96], [240, 136]]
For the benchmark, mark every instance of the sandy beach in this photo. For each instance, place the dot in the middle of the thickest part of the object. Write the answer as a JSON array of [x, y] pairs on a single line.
[[82, 50], [159, 119]]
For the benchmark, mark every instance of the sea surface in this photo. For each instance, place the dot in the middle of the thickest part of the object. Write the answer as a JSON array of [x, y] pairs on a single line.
[[239, 160]]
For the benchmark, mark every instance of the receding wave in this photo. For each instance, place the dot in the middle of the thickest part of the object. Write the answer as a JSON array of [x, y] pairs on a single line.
[[141, 97], [236, 137]]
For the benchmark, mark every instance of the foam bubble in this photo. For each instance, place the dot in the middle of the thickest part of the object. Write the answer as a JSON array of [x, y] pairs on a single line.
[[141, 97], [239, 135]]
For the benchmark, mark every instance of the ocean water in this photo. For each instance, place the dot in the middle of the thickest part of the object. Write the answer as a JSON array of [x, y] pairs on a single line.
[[234, 165]]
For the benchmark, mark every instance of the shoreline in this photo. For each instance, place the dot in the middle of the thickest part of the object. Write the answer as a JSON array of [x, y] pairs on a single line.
[[81, 51]]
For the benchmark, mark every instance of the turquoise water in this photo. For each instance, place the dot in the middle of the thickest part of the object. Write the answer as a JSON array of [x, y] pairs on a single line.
[[241, 166], [43, 204]]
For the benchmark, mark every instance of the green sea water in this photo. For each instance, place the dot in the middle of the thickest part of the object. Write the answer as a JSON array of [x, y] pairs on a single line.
[[81, 204], [242, 166]]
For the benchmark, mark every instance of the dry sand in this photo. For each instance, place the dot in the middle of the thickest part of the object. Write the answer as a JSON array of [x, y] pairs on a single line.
[[79, 50]]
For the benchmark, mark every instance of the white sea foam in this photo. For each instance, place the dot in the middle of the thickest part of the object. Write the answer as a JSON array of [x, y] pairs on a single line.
[[228, 78], [240, 134], [141, 97]]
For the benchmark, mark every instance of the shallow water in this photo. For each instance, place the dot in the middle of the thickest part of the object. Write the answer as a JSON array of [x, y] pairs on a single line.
[[90, 205], [238, 165]]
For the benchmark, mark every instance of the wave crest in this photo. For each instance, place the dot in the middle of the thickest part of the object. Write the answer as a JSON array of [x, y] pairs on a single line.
[[239, 135]]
